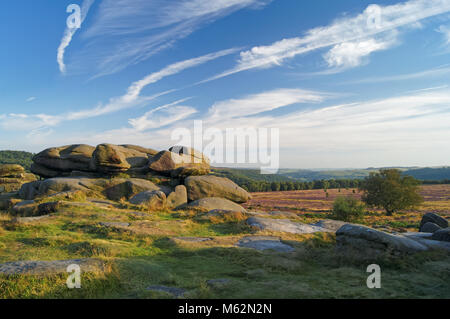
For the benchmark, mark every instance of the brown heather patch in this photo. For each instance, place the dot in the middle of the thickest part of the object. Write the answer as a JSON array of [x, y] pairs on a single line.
[[312, 205]]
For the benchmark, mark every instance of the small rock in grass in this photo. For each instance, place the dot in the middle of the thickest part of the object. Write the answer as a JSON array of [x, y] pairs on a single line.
[[434, 218], [264, 243], [176, 292], [114, 224], [50, 267], [218, 283]]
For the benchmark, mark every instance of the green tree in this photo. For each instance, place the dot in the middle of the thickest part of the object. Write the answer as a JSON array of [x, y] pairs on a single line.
[[391, 191], [347, 209]]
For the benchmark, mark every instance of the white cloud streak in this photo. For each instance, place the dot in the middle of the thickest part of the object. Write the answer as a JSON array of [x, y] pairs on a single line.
[[68, 36], [126, 32], [259, 103], [358, 33], [445, 30], [130, 99]]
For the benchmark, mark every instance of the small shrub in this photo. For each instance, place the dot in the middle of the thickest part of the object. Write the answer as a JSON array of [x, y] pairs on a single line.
[[348, 209]]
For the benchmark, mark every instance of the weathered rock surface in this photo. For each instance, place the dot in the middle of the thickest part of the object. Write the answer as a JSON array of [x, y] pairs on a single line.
[[127, 188], [113, 189], [434, 218], [212, 203], [110, 159], [212, 186], [50, 267], [330, 224], [57, 160], [369, 241], [11, 170], [178, 197], [264, 243], [180, 162], [442, 235], [25, 208], [429, 227], [151, 199], [284, 225], [12, 177]]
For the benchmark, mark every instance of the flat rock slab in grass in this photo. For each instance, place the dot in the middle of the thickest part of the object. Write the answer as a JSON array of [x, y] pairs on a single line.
[[31, 219], [264, 243], [284, 226], [332, 225], [50, 267], [176, 292], [218, 283], [193, 239], [114, 224], [138, 214]]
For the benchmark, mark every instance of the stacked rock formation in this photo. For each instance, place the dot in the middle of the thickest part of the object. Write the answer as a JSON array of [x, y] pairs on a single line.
[[12, 177], [174, 178], [108, 159]]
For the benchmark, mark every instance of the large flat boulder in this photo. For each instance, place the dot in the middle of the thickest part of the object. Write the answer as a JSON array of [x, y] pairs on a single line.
[[213, 186], [180, 162], [284, 226], [57, 160], [212, 203], [370, 242]]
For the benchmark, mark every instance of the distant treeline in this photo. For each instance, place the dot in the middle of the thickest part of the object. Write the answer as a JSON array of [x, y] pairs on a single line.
[[16, 157], [258, 186], [252, 181]]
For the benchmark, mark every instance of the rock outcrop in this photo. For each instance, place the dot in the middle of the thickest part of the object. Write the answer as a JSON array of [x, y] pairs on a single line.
[[12, 177], [168, 179], [212, 186], [361, 239], [433, 218], [108, 159], [366, 242]]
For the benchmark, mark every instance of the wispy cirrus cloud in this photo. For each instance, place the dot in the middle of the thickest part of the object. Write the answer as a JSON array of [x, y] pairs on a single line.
[[126, 32], [162, 116], [131, 98], [445, 30], [261, 102], [350, 38], [68, 36]]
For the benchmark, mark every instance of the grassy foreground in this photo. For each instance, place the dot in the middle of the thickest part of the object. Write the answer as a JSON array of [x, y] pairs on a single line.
[[149, 253]]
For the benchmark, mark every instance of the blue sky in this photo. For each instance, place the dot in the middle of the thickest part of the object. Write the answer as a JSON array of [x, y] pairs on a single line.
[[349, 83]]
